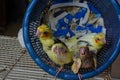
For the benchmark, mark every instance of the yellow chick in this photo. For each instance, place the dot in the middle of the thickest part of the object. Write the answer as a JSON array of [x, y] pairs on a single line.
[[95, 41], [56, 50]]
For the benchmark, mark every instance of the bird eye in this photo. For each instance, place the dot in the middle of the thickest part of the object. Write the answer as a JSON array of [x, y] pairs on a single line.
[[45, 32], [98, 39]]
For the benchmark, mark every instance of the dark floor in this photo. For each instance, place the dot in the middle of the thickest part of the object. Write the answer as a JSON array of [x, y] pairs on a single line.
[[11, 15], [13, 28], [14, 25]]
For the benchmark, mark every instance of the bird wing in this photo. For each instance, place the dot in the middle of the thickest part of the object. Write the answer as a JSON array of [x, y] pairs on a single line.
[[76, 65], [72, 43], [88, 38], [61, 53]]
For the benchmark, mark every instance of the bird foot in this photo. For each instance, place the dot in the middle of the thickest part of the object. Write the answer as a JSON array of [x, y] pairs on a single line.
[[80, 76], [107, 77], [58, 71]]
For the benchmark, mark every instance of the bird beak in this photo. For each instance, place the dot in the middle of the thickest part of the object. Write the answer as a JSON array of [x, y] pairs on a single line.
[[37, 33], [83, 51], [104, 41]]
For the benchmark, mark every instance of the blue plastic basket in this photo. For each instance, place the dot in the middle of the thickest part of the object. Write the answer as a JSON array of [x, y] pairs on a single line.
[[109, 10]]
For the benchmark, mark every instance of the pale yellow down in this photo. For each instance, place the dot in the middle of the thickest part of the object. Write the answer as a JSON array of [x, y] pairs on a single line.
[[48, 44]]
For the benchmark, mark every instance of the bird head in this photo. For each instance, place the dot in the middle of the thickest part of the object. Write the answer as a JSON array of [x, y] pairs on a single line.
[[99, 39], [84, 51], [43, 31]]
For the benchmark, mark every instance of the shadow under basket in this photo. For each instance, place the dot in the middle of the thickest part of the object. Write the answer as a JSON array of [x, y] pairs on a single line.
[[109, 10]]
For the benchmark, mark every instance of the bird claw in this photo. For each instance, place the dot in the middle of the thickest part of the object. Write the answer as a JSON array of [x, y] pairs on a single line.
[[58, 71], [107, 77], [76, 65], [80, 76]]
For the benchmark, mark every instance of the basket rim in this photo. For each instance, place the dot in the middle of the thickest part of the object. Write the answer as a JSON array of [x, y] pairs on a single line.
[[52, 71]]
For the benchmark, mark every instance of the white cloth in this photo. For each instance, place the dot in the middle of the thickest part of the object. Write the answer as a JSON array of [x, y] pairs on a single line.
[[20, 38]]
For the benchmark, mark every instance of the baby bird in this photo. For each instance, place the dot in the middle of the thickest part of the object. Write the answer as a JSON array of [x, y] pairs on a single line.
[[83, 59], [56, 50], [95, 41]]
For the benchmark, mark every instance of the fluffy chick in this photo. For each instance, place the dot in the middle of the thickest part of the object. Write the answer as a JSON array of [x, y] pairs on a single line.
[[56, 50], [83, 59], [95, 41]]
